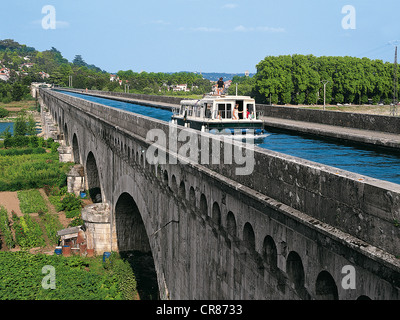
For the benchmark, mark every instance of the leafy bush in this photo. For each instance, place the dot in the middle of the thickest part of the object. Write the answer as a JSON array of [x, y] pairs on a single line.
[[71, 203], [52, 224], [31, 201], [3, 112], [77, 278], [5, 228], [28, 233]]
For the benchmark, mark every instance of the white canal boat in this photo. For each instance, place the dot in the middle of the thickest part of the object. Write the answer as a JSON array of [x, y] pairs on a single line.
[[235, 115]]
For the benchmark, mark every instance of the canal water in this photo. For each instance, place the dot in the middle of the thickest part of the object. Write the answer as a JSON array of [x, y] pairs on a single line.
[[5, 125], [376, 163]]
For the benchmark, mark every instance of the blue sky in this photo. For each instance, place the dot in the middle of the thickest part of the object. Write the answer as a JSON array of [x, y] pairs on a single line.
[[202, 35]]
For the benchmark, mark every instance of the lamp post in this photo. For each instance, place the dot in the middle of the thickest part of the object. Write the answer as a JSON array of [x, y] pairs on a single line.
[[325, 82]]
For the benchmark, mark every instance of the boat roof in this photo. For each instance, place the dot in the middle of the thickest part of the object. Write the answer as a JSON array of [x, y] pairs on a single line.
[[212, 98]]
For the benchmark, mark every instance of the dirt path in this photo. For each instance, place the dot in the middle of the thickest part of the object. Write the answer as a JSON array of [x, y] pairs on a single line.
[[9, 200]]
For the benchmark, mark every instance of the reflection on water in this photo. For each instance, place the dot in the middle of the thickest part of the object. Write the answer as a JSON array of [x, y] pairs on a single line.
[[378, 164]]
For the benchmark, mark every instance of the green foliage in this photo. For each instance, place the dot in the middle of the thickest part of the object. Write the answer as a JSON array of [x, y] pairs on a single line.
[[3, 112], [5, 228], [52, 224], [31, 201], [297, 79], [71, 205], [20, 127], [28, 233], [123, 271], [77, 278], [22, 151], [31, 171]]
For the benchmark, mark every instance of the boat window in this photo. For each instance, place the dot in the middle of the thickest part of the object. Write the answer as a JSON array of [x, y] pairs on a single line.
[[229, 111], [208, 111], [190, 111], [250, 109], [224, 110], [221, 110]]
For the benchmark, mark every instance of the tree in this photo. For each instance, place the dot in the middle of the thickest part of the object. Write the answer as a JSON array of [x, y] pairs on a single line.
[[20, 127], [17, 92], [31, 126], [78, 61]]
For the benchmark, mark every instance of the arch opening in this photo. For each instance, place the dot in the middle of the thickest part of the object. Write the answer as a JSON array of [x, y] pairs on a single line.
[[249, 238], [270, 253], [93, 180], [295, 270], [216, 213], [66, 136], [203, 205], [75, 149], [325, 287], [231, 224], [134, 246]]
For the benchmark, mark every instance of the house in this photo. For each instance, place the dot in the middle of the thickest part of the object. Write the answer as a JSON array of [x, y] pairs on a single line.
[[4, 74], [28, 65], [180, 87], [113, 77], [44, 75]]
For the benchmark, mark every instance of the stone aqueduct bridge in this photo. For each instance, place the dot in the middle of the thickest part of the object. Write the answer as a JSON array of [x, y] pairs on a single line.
[[292, 229]]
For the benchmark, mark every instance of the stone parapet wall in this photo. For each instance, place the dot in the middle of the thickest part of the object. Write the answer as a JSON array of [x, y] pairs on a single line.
[[336, 118]]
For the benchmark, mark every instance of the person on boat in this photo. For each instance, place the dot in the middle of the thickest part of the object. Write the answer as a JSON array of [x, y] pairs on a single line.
[[220, 86], [235, 115]]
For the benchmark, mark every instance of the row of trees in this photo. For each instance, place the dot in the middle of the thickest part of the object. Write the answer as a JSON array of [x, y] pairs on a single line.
[[297, 79]]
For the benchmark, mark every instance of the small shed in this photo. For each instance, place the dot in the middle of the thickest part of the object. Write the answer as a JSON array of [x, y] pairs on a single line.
[[73, 237]]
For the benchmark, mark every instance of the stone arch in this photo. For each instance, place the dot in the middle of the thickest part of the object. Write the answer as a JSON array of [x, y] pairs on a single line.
[[231, 224], [270, 253], [295, 270], [134, 245], [216, 213], [249, 238], [66, 136], [165, 177], [203, 205], [192, 196], [93, 179], [325, 287], [75, 149], [174, 186], [182, 190], [131, 232]]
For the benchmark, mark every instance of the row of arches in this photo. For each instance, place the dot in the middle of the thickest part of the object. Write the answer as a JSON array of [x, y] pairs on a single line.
[[325, 287]]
